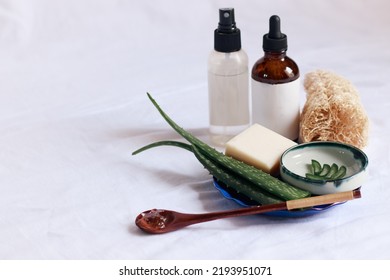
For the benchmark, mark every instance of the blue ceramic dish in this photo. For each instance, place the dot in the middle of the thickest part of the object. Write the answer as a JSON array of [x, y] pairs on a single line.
[[243, 201]]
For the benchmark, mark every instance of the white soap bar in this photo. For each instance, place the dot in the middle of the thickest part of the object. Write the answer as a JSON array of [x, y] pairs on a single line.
[[260, 147]]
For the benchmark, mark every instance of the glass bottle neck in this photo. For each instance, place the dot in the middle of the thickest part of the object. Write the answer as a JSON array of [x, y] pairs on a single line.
[[275, 55]]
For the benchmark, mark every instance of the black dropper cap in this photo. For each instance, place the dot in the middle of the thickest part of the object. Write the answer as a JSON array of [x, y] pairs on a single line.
[[275, 40], [227, 36]]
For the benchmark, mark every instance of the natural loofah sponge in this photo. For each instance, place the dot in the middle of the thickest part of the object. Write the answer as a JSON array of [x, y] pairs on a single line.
[[333, 111]]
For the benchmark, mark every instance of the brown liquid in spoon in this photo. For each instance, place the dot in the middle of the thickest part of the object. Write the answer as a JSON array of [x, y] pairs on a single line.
[[154, 219]]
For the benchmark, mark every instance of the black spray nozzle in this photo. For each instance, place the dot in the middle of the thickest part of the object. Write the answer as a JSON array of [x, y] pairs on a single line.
[[274, 40], [226, 20], [227, 37]]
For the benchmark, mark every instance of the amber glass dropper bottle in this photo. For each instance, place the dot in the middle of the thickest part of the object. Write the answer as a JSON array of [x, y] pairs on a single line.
[[275, 85]]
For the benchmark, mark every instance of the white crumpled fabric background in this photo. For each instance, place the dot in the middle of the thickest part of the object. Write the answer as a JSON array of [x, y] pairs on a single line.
[[73, 78]]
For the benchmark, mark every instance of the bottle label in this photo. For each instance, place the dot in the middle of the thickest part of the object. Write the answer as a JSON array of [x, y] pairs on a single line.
[[276, 106]]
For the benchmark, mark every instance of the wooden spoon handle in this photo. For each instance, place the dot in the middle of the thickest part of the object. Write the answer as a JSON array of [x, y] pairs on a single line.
[[322, 199]]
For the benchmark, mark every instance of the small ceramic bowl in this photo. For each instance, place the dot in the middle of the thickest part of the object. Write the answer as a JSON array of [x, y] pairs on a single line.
[[296, 162]]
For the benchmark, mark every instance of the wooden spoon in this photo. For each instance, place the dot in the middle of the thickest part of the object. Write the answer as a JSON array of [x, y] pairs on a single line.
[[162, 221]]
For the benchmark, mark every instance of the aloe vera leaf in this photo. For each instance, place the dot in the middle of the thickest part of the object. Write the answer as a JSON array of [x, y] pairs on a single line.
[[315, 177], [256, 176], [316, 167], [325, 170], [333, 170], [240, 185], [164, 143], [340, 173]]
